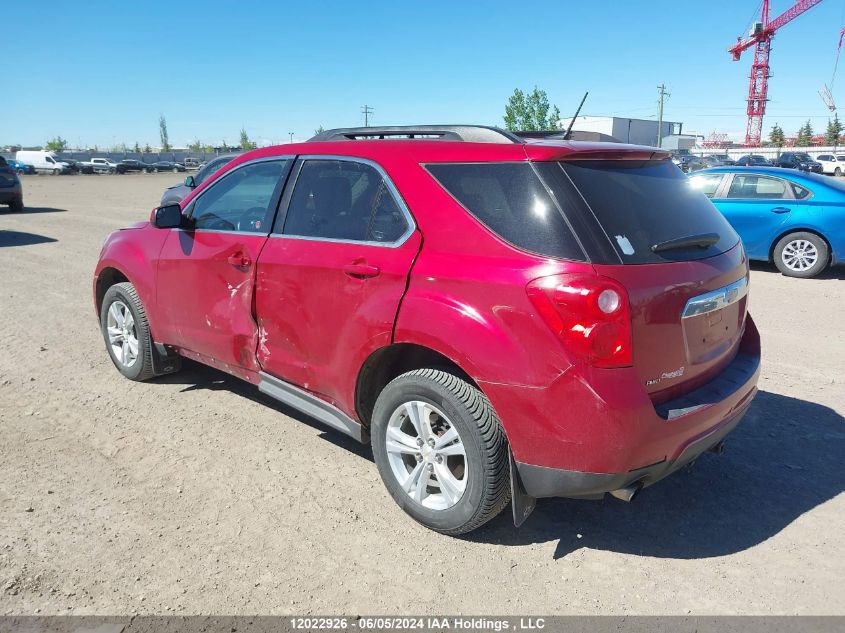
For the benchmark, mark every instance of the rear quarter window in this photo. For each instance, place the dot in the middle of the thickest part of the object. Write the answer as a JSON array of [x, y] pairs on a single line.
[[510, 200]]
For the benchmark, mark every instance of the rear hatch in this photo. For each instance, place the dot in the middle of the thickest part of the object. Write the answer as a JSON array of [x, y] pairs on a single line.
[[682, 264]]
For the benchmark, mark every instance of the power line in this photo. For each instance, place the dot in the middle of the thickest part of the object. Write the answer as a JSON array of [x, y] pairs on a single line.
[[366, 111]]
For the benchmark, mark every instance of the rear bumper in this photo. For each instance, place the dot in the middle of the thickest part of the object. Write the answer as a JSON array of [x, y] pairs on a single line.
[[539, 481], [593, 431], [9, 194]]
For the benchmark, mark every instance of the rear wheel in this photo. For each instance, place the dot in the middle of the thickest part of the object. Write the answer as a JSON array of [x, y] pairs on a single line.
[[16, 205], [125, 329], [441, 451], [801, 255]]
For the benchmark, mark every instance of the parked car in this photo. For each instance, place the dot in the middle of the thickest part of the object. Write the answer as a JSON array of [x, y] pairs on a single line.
[[176, 193], [717, 160], [130, 164], [11, 192], [76, 167], [19, 167], [795, 219], [753, 160], [192, 164], [493, 335], [832, 164], [101, 165], [42, 161], [688, 163], [798, 160], [165, 165]]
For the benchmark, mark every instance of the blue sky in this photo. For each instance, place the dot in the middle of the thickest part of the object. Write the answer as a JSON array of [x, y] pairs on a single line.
[[100, 72]]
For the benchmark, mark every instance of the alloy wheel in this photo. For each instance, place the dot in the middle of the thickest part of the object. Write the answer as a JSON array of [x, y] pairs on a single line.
[[426, 455], [123, 334], [799, 255]]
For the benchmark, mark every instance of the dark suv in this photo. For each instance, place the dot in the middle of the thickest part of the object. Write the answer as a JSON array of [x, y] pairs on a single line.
[[501, 319], [11, 192], [799, 160]]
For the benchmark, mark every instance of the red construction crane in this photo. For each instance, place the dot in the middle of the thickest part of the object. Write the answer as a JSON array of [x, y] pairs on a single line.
[[758, 86]]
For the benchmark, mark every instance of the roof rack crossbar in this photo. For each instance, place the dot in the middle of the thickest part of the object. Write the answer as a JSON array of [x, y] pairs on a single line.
[[467, 133]]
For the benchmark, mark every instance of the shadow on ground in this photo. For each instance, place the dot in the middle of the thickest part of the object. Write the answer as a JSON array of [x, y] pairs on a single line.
[[784, 459], [17, 238], [198, 376], [832, 272], [42, 210]]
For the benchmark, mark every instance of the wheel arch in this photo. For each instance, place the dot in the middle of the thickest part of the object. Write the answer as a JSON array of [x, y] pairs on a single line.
[[106, 278], [390, 361], [798, 229]]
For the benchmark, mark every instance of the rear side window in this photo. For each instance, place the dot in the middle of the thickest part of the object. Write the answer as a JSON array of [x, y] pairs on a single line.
[[343, 200], [706, 183], [640, 204], [749, 186], [510, 200]]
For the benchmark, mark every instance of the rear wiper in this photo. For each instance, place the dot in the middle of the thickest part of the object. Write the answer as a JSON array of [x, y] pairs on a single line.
[[701, 241]]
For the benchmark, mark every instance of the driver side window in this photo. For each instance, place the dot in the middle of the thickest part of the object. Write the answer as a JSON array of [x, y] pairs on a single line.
[[240, 200]]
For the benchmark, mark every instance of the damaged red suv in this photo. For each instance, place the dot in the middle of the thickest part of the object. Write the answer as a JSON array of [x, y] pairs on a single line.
[[503, 319]]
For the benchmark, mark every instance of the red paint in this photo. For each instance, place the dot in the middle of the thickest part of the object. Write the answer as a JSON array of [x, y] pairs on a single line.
[[312, 312]]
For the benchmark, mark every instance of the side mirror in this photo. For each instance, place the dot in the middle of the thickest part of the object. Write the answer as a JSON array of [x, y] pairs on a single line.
[[168, 217], [189, 182]]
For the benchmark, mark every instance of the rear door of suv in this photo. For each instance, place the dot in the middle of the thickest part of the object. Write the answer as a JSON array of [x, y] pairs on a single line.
[[332, 274]]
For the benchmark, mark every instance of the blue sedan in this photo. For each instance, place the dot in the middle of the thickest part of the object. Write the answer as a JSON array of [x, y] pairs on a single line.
[[793, 218]]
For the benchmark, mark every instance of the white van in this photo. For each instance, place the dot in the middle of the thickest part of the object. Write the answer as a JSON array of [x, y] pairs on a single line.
[[43, 161]]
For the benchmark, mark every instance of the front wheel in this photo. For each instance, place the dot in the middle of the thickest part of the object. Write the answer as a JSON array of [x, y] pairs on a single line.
[[441, 451], [837, 171], [801, 255], [125, 329], [56, 172]]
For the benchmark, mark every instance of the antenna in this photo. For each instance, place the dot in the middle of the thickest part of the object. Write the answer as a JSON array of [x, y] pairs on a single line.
[[572, 122]]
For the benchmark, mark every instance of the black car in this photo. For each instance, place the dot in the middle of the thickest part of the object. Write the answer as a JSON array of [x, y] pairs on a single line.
[[75, 167], [753, 160], [799, 160], [130, 164], [165, 165], [176, 193], [718, 160]]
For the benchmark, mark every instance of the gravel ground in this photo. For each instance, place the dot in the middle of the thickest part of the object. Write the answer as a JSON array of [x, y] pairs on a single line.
[[194, 494]]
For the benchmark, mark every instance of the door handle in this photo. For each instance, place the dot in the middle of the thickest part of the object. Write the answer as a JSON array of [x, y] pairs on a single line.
[[361, 271], [239, 259], [781, 210]]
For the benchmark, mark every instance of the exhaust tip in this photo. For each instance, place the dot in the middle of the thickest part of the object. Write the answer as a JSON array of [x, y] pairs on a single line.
[[718, 448], [628, 493]]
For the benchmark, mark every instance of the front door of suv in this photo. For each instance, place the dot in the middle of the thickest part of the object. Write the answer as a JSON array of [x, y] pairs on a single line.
[[332, 274], [206, 274]]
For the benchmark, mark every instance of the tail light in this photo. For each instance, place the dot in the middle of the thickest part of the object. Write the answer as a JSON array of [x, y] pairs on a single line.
[[590, 314]]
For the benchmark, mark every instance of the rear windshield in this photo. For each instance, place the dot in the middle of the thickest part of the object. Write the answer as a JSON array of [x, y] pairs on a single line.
[[641, 204], [511, 201]]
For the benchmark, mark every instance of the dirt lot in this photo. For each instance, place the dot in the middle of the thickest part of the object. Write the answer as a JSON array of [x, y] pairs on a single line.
[[193, 494]]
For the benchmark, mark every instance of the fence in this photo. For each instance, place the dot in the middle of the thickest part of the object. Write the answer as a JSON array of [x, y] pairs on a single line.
[[152, 157], [769, 152]]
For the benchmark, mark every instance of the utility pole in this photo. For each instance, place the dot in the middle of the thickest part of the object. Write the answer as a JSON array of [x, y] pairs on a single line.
[[291, 136], [366, 111], [663, 94]]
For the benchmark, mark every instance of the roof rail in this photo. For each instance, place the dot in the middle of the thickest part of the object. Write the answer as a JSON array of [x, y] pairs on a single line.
[[467, 133]]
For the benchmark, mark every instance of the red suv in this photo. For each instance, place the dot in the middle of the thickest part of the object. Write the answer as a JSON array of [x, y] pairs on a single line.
[[501, 318]]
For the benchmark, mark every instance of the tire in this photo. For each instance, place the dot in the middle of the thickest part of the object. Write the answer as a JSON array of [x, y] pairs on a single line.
[[802, 255], [837, 171], [125, 299], [16, 206], [175, 171], [475, 461], [56, 172]]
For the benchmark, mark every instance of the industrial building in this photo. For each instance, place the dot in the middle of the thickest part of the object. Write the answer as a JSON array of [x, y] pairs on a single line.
[[627, 130]]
